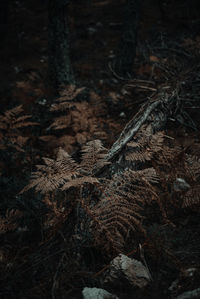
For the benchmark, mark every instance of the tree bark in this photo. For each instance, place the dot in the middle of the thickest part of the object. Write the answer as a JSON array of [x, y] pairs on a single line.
[[60, 70], [123, 64], [153, 114]]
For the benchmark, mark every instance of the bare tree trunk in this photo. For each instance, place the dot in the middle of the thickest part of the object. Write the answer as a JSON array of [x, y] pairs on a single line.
[[4, 15], [123, 64], [60, 70]]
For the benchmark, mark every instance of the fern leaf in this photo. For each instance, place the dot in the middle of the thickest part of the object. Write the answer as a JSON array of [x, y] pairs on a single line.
[[193, 166], [93, 156], [145, 146], [67, 95], [79, 182], [192, 197], [120, 209], [54, 173]]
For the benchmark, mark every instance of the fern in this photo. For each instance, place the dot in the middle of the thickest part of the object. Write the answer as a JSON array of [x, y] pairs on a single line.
[[64, 173], [9, 222], [192, 196], [119, 212], [93, 156], [10, 124], [145, 145], [53, 174], [193, 166], [78, 116], [67, 96]]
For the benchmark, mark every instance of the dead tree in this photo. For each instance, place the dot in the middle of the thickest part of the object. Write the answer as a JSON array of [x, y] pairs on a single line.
[[126, 52]]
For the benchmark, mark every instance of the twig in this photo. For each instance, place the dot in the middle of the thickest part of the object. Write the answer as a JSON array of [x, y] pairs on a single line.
[[142, 87], [115, 74], [144, 261], [101, 271], [143, 81]]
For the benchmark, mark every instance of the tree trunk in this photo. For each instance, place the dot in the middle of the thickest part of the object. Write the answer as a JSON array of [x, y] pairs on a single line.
[[60, 70], [123, 64], [4, 14]]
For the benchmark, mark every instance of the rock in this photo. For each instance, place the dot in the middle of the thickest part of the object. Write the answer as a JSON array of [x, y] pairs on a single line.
[[180, 185], [130, 269], [95, 293], [122, 114], [194, 294]]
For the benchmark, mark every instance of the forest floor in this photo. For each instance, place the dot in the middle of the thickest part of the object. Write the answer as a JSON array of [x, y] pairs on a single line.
[[168, 52]]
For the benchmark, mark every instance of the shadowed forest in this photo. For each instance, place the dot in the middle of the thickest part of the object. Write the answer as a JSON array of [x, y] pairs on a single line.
[[100, 149]]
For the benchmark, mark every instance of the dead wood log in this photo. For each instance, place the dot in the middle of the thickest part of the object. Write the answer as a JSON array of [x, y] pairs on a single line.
[[154, 114]]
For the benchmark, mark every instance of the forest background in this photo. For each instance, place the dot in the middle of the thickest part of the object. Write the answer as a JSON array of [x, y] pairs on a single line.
[[104, 160]]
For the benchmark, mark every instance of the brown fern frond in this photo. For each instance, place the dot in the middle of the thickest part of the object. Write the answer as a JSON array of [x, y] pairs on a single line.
[[115, 219], [192, 164], [79, 182], [67, 95], [53, 174], [141, 156], [61, 122], [12, 113], [80, 116], [93, 156], [81, 120], [145, 145], [19, 142], [9, 222], [12, 120], [10, 124], [192, 197], [120, 209], [71, 92], [137, 178]]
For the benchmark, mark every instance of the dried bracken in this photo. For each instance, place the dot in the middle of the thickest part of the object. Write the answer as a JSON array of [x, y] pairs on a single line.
[[145, 145], [11, 122], [120, 209], [64, 172], [10, 221], [191, 198]]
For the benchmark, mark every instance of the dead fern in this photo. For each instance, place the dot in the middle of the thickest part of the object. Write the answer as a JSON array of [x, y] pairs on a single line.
[[93, 156], [66, 99], [9, 222], [11, 122], [145, 145], [77, 118], [191, 198], [120, 210], [193, 166], [53, 174], [64, 172]]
